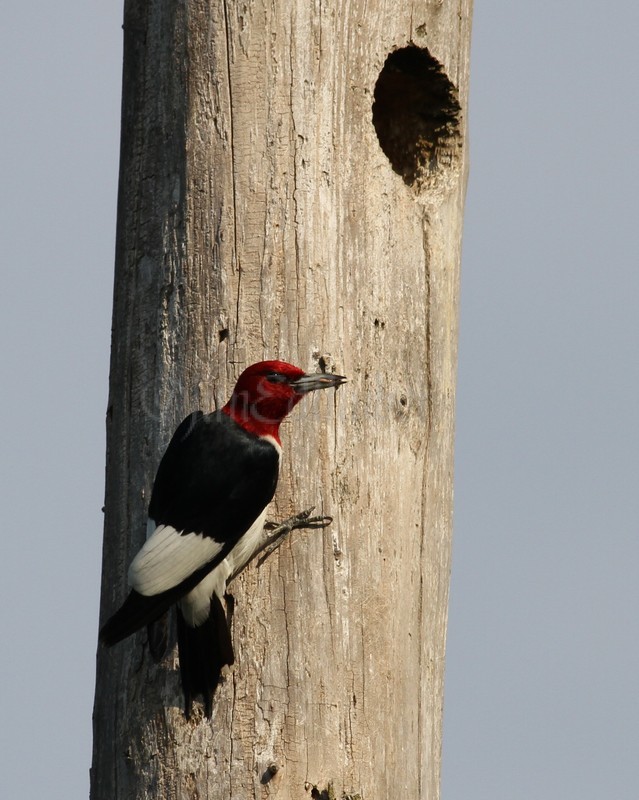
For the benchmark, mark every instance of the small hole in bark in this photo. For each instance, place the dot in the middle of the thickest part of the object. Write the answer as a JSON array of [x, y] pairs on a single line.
[[416, 115], [270, 772], [223, 334]]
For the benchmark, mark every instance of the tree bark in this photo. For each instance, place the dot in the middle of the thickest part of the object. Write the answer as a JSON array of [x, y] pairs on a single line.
[[285, 191]]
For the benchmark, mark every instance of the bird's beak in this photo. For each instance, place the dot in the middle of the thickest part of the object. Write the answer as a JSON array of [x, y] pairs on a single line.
[[318, 380]]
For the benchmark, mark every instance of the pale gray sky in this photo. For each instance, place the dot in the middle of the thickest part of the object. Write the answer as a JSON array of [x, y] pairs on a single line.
[[543, 650], [543, 656]]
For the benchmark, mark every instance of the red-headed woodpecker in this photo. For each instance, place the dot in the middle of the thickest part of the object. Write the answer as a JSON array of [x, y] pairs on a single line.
[[206, 517]]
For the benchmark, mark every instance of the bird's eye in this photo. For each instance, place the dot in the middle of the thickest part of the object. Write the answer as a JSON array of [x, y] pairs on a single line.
[[276, 377]]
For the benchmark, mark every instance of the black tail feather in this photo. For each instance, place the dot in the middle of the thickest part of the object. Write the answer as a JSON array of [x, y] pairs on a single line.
[[136, 612], [139, 610], [203, 652]]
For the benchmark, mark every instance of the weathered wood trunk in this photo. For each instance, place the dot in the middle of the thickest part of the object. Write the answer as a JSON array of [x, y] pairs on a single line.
[[266, 209]]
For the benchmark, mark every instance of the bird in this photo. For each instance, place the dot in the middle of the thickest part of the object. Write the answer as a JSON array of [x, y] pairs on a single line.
[[206, 518]]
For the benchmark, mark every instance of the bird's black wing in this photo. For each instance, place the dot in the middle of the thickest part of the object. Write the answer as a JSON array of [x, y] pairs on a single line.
[[215, 478]]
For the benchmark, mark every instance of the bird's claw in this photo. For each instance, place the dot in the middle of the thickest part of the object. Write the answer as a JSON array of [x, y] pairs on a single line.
[[273, 534], [301, 520], [278, 532]]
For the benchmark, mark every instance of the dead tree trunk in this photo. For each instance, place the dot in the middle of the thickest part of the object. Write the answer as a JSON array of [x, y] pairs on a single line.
[[291, 184]]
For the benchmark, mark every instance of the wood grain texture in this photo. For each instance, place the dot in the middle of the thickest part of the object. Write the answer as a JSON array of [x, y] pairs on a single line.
[[259, 217]]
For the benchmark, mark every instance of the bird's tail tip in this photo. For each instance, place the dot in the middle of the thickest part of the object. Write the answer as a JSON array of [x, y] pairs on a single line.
[[204, 652]]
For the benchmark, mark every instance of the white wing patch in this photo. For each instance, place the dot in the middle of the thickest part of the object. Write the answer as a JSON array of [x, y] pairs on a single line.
[[168, 557]]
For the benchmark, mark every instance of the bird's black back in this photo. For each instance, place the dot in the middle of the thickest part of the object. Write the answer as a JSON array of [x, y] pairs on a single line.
[[214, 478]]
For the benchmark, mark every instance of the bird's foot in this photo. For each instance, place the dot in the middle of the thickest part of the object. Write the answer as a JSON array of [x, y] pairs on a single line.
[[276, 533], [273, 534]]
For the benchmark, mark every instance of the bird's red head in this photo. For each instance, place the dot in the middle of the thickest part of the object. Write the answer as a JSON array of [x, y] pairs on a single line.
[[267, 391]]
